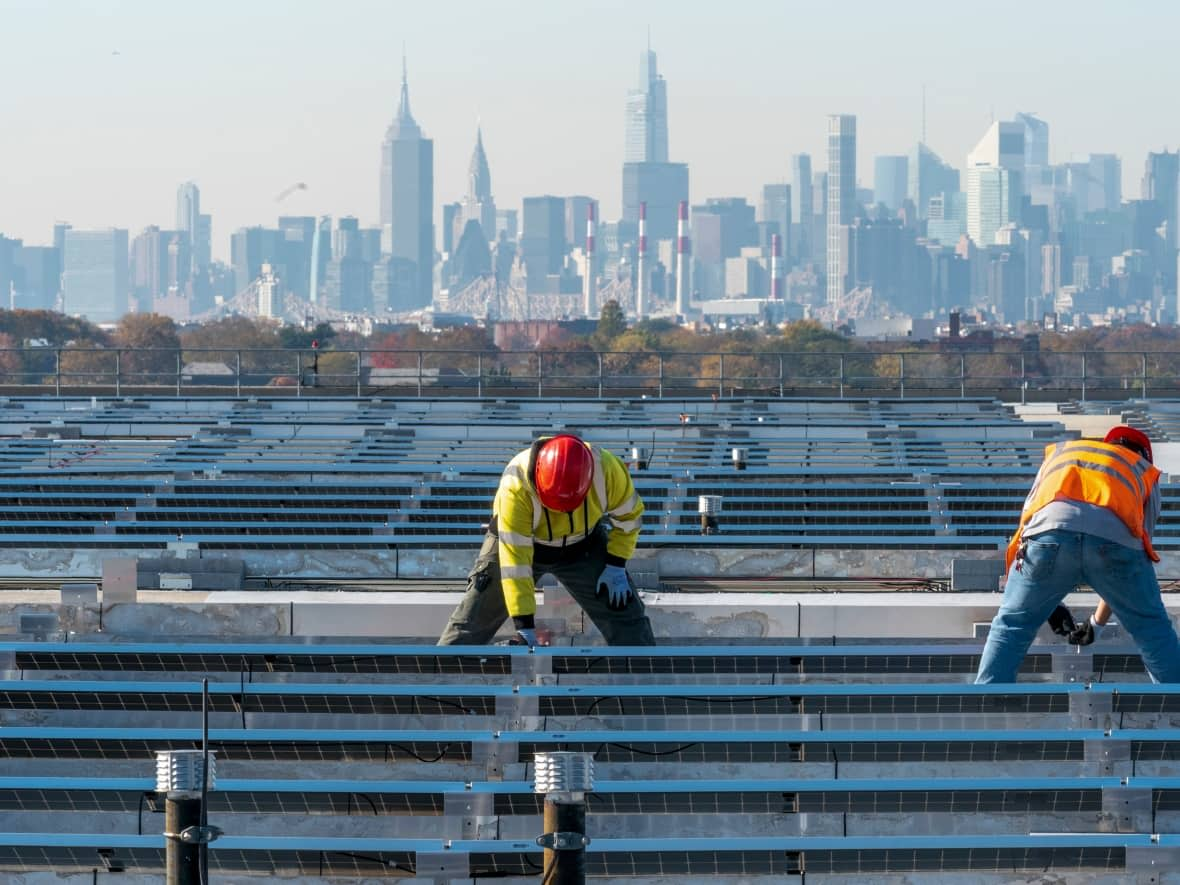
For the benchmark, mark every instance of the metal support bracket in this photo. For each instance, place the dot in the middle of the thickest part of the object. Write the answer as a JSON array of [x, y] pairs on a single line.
[[442, 865], [1073, 666], [1127, 809], [563, 841], [475, 812], [494, 755], [1110, 757], [1089, 709], [1146, 865], [196, 835]]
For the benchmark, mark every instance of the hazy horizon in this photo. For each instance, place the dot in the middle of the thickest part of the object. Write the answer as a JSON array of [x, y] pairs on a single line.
[[107, 111]]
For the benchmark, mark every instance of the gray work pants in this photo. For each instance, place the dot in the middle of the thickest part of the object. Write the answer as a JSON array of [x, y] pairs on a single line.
[[482, 610]]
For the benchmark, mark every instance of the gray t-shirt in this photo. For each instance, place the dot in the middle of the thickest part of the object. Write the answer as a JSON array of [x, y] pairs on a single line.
[[1076, 516]]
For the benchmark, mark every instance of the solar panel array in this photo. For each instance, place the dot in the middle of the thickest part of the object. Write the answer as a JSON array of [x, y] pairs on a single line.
[[720, 764], [359, 474], [724, 764]]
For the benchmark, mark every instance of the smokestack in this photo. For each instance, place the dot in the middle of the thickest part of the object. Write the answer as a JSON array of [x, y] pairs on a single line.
[[641, 269], [683, 251], [589, 308], [776, 253]]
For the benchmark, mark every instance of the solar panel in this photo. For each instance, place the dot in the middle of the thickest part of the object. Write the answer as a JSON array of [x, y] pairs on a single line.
[[288, 856], [778, 659]]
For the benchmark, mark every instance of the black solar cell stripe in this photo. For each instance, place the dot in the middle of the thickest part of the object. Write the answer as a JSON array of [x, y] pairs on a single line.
[[952, 802], [997, 860]]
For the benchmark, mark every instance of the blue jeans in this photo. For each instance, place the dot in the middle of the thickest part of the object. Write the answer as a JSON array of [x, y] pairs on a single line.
[[1056, 562]]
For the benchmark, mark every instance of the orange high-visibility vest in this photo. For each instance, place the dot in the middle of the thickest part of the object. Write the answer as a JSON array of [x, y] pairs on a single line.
[[1092, 472]]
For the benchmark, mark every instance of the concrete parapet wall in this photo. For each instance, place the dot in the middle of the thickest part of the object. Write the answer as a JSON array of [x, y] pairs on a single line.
[[416, 615]]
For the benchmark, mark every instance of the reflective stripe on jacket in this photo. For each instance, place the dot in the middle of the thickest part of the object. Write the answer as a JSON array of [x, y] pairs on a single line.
[[522, 522], [1096, 473]]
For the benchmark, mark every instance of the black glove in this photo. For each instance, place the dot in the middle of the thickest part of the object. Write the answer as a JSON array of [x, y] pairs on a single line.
[[1083, 634], [1062, 622]]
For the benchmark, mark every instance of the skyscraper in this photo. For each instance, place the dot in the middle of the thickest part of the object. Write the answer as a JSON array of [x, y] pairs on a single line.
[[1106, 183], [648, 177], [928, 177], [194, 226], [1161, 177], [542, 242], [1036, 140], [995, 183], [94, 275], [802, 206], [841, 197], [890, 179], [478, 204], [647, 115], [776, 207], [407, 199]]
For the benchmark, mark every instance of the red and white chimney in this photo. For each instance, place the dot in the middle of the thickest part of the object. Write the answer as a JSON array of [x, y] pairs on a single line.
[[641, 266], [683, 253]]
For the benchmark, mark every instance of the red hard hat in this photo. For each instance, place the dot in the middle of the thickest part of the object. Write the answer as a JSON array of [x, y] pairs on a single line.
[[1123, 435], [563, 472]]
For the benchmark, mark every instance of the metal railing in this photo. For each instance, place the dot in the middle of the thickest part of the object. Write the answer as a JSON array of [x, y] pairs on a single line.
[[1020, 376]]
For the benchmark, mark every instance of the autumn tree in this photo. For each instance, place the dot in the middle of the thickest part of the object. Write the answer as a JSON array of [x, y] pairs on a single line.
[[612, 323], [11, 364], [148, 347]]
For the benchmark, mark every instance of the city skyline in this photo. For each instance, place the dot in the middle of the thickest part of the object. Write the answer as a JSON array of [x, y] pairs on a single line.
[[293, 116]]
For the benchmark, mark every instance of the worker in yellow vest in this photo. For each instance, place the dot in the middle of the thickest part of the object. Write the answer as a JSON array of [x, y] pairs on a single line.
[[566, 508], [1088, 519]]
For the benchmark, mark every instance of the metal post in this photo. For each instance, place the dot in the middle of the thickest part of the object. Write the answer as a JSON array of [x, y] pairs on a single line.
[[479, 375], [564, 779], [901, 374], [1143, 365], [359, 366], [1023, 381], [1083, 376], [419, 374], [178, 374], [182, 860], [57, 373], [298, 373], [842, 376], [721, 375], [962, 376], [118, 373], [660, 365], [238, 373], [180, 776], [540, 372], [781, 394], [600, 376]]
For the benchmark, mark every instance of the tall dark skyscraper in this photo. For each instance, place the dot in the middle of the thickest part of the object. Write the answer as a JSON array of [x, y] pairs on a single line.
[[94, 275], [542, 242], [841, 197], [407, 199], [648, 177]]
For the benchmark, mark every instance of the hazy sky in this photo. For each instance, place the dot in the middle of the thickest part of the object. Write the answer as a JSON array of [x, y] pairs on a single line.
[[105, 107]]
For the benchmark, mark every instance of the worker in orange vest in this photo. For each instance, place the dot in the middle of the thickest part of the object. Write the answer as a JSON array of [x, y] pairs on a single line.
[[1088, 519]]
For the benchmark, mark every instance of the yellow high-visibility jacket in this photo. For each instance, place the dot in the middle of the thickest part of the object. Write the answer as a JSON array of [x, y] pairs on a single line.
[[1092, 472], [521, 521]]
